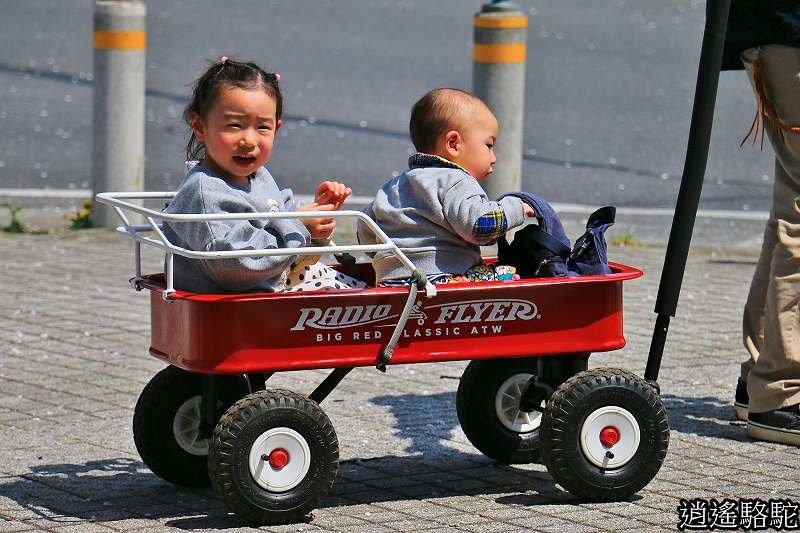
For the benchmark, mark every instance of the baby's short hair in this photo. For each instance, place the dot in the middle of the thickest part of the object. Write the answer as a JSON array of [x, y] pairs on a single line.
[[436, 112]]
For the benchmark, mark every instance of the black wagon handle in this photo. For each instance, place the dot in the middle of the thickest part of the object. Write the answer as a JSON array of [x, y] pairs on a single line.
[[694, 169]]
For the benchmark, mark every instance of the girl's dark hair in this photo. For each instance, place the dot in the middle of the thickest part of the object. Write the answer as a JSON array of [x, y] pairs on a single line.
[[226, 73]]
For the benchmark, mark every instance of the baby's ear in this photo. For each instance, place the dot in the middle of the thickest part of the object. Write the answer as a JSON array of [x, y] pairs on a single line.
[[452, 142], [278, 124]]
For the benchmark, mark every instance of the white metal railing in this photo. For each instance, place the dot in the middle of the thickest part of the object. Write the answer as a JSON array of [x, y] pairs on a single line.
[[121, 202]]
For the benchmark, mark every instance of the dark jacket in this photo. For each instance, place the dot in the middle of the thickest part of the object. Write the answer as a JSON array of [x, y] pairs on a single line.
[[756, 22]]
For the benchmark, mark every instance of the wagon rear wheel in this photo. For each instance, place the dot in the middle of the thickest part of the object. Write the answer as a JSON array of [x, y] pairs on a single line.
[[273, 458], [488, 407], [166, 424], [604, 434]]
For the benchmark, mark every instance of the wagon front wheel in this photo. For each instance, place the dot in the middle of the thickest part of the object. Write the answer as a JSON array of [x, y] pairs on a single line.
[[273, 457], [605, 434]]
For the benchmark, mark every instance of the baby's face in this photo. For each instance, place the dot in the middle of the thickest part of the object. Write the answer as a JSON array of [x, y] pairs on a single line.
[[478, 135]]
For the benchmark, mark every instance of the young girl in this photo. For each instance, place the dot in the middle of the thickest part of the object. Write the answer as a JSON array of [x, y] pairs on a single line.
[[233, 115]]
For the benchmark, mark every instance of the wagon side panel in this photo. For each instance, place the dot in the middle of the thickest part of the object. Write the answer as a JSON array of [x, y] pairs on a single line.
[[271, 332]]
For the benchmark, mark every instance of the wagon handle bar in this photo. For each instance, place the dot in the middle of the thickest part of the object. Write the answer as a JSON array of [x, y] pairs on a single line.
[[418, 281], [694, 169]]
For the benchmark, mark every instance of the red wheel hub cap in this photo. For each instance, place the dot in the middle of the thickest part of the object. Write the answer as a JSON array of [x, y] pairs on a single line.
[[609, 436], [278, 458]]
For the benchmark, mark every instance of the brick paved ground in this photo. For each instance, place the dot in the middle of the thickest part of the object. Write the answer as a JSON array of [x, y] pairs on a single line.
[[73, 359]]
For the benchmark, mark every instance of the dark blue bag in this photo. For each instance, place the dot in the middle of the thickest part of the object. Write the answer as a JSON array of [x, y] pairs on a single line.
[[538, 250], [590, 253], [543, 250]]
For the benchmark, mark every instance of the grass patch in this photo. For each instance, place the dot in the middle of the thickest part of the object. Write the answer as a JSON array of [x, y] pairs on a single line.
[[15, 225], [82, 219], [628, 241]]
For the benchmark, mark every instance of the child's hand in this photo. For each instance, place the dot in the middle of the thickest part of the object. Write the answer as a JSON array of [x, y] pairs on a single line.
[[319, 228], [529, 212], [332, 192]]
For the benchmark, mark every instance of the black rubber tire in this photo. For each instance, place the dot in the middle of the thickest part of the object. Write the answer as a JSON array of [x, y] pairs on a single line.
[[235, 434], [562, 423], [153, 423], [475, 406]]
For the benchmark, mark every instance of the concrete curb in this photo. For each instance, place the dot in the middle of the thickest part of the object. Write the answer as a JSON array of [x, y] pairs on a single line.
[[735, 231]]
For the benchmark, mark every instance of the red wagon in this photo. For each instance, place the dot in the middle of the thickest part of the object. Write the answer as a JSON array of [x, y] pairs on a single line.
[[272, 454], [526, 395]]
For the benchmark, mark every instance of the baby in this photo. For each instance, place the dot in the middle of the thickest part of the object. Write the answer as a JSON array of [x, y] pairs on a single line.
[[437, 211]]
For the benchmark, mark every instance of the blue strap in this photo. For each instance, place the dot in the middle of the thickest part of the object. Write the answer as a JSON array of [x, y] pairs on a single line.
[[545, 215]]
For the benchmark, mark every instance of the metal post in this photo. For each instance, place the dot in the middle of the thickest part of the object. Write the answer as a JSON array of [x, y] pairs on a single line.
[[118, 120], [498, 78]]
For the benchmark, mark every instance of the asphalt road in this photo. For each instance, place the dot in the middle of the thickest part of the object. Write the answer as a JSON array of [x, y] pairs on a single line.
[[608, 95]]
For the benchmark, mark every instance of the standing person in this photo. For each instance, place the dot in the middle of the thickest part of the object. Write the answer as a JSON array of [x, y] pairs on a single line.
[[763, 37], [234, 114], [438, 209]]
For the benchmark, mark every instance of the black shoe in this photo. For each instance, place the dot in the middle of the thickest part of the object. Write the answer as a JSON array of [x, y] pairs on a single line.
[[779, 425], [741, 400]]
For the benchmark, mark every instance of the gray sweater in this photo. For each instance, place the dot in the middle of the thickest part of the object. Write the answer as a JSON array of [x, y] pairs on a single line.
[[440, 208], [201, 192]]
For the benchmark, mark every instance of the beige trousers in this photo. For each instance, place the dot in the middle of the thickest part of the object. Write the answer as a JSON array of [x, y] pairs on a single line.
[[771, 322]]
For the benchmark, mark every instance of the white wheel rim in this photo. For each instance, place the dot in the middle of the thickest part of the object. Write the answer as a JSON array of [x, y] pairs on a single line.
[[186, 427], [506, 405], [293, 472], [618, 454]]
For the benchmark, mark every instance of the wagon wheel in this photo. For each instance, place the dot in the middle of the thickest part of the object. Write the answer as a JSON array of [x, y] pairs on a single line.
[[604, 434], [273, 457], [166, 424], [488, 407]]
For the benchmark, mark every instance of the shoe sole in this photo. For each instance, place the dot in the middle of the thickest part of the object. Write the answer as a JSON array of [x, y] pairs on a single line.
[[741, 411], [773, 434]]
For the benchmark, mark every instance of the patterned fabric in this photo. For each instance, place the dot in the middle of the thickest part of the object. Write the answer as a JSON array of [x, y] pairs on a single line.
[[505, 273], [314, 276], [491, 273], [436, 279], [476, 273], [491, 225]]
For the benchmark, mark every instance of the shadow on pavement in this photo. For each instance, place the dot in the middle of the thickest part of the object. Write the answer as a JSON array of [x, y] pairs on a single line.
[[106, 491], [116, 489], [705, 416]]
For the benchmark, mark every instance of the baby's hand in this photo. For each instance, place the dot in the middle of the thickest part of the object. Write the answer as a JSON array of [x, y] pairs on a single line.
[[332, 192], [529, 212], [319, 228]]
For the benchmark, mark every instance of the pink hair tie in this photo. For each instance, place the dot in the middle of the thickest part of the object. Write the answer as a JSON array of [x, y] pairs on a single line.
[[277, 76], [223, 59]]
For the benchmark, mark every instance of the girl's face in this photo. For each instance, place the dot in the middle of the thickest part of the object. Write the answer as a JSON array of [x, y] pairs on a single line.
[[238, 132]]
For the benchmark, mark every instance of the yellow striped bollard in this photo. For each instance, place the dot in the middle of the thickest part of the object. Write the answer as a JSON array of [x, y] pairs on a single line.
[[498, 78], [120, 42]]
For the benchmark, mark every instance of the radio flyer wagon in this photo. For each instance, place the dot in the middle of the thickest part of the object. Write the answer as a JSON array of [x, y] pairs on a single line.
[[272, 454], [526, 395]]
